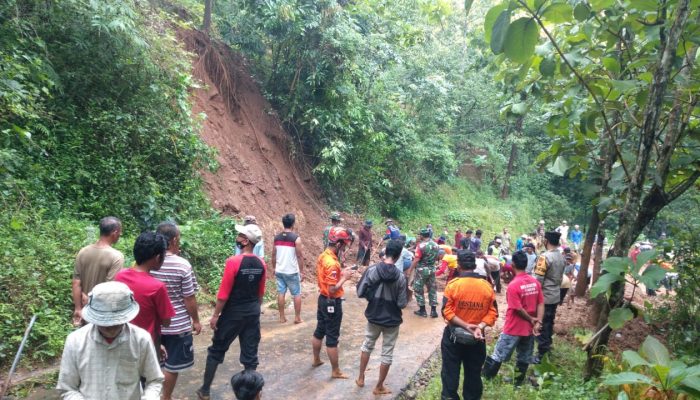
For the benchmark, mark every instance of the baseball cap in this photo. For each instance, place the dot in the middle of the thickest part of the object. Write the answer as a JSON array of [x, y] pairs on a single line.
[[251, 231], [110, 304], [368, 222], [499, 241], [335, 216], [425, 232]]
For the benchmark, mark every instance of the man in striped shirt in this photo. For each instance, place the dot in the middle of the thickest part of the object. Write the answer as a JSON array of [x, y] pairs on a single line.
[[181, 283]]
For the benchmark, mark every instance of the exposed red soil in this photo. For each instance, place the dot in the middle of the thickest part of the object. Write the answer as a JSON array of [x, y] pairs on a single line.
[[258, 174]]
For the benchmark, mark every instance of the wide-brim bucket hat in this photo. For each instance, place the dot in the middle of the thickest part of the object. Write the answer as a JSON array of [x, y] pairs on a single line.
[[110, 304]]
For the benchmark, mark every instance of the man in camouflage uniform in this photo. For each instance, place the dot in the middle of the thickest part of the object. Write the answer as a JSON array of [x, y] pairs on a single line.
[[549, 271], [424, 265], [335, 221]]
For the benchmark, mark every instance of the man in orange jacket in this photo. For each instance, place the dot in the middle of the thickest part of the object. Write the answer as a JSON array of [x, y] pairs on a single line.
[[469, 305]]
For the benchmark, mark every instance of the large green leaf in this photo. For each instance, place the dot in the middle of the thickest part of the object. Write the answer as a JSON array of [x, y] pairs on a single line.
[[652, 276], [655, 351], [499, 32], [616, 265], [490, 19], [582, 12], [624, 378], [467, 7], [521, 39], [611, 65], [548, 67], [644, 257], [619, 316], [598, 5], [633, 359], [603, 284], [691, 385], [558, 13]]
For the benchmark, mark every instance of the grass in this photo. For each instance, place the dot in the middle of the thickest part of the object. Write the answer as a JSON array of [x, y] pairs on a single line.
[[562, 380], [463, 204]]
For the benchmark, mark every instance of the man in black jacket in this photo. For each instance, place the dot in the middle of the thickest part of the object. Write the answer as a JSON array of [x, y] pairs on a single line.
[[384, 287]]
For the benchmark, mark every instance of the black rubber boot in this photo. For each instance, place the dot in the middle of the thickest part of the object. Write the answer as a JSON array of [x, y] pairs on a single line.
[[433, 312], [491, 368], [421, 312], [521, 373], [209, 372]]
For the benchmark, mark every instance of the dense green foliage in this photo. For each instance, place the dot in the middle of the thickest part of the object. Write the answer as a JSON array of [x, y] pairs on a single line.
[[94, 120], [385, 98]]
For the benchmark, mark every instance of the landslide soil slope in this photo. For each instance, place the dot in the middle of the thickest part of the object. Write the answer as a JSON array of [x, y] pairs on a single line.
[[258, 174]]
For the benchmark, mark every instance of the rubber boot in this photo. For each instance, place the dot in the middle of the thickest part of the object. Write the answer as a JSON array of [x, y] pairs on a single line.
[[521, 373], [421, 312], [433, 312], [491, 368], [209, 372]]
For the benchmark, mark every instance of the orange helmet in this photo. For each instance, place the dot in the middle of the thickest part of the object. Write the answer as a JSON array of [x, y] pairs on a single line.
[[339, 234]]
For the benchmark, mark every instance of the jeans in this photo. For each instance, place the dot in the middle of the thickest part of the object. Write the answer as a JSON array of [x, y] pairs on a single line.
[[507, 344], [454, 357], [544, 341]]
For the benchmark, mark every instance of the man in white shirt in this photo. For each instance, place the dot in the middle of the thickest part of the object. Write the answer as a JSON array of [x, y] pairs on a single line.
[[105, 359]]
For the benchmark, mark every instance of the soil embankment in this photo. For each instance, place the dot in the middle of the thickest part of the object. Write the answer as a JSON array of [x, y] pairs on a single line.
[[258, 173]]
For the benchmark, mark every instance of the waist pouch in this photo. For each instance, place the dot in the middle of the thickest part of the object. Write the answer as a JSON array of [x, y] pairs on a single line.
[[461, 336], [426, 271]]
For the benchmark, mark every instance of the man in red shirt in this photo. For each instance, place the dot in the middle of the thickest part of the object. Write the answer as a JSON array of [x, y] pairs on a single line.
[[155, 308], [237, 311], [330, 304], [364, 248], [523, 321]]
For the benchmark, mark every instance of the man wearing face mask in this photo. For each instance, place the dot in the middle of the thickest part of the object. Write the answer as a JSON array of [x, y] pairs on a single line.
[[330, 308], [237, 311]]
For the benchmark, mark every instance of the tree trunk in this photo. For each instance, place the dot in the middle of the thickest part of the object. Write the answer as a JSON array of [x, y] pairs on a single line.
[[208, 4], [509, 171], [593, 224], [513, 153], [634, 218], [599, 302]]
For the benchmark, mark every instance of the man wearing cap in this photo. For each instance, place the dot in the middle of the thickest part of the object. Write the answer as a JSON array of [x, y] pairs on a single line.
[[497, 251], [155, 308], [107, 358], [329, 314], [237, 311], [335, 221], [181, 283], [424, 265], [576, 238], [469, 305], [549, 272], [259, 249], [96, 263], [520, 242], [287, 266], [392, 231], [364, 248]]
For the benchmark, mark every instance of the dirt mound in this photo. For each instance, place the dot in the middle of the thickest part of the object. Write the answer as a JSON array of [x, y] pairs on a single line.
[[258, 174]]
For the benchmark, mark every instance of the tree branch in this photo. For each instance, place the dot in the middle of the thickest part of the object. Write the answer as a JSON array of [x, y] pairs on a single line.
[[682, 187], [583, 82]]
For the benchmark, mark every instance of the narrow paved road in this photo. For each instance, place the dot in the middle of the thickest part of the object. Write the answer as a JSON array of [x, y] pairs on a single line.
[[285, 356]]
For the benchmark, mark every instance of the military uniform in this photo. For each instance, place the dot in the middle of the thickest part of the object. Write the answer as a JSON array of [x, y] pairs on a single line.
[[426, 253]]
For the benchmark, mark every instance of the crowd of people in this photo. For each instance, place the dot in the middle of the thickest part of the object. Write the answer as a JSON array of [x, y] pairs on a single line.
[[135, 325]]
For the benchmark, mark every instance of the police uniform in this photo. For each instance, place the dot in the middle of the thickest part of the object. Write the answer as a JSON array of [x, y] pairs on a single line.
[[549, 271]]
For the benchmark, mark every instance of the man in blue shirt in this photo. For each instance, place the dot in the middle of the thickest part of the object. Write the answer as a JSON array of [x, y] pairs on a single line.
[[576, 236]]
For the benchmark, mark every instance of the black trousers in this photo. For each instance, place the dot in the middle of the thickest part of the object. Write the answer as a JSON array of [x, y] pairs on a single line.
[[246, 329], [496, 275], [454, 357], [544, 341]]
